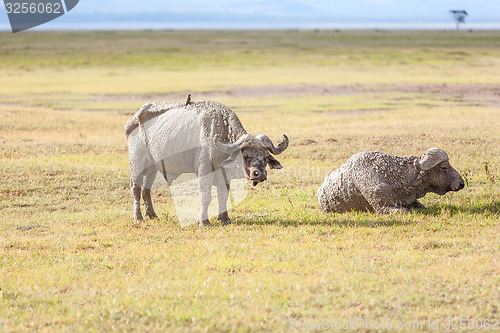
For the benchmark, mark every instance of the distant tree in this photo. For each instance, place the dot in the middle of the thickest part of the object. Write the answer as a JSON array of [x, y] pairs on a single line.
[[459, 16]]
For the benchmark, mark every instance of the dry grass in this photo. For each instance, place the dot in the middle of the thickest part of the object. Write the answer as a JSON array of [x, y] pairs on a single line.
[[86, 266]]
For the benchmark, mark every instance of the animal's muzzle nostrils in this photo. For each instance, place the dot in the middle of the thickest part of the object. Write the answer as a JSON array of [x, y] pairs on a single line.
[[257, 176], [459, 186]]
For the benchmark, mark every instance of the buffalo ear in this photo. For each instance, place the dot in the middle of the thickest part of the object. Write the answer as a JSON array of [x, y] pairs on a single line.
[[430, 159], [274, 163]]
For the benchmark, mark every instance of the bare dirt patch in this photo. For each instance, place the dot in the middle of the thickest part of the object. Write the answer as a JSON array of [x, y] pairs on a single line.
[[468, 94], [483, 95], [242, 92], [341, 113], [488, 95]]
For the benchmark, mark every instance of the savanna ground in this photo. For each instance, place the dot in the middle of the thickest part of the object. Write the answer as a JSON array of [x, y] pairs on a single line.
[[72, 259]]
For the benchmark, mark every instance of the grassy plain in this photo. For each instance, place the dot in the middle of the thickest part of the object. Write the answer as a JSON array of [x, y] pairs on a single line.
[[86, 266]]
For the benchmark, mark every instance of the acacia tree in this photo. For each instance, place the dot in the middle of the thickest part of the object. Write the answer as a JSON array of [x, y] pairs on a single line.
[[459, 16]]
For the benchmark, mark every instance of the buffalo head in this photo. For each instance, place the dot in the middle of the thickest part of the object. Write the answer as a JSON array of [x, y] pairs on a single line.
[[440, 175], [256, 152]]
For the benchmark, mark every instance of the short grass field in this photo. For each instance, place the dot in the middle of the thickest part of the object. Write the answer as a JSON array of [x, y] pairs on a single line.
[[73, 260]]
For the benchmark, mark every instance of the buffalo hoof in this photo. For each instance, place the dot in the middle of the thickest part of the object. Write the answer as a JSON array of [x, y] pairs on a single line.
[[204, 223], [152, 216], [224, 219], [225, 222], [417, 205]]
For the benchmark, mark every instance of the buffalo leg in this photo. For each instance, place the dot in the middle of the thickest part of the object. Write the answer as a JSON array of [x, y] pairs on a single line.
[[146, 194], [417, 205], [222, 197], [382, 210], [205, 188], [136, 196], [205, 182], [381, 199]]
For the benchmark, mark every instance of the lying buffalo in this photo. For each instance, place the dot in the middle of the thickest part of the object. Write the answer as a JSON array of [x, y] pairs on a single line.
[[375, 181]]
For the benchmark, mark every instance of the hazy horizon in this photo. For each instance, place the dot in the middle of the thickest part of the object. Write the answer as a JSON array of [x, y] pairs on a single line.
[[279, 14]]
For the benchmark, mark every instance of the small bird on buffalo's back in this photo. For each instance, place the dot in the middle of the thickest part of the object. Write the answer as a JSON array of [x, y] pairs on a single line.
[[188, 99]]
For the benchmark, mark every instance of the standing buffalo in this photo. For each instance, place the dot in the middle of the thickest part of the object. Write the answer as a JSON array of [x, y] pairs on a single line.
[[375, 181], [201, 137]]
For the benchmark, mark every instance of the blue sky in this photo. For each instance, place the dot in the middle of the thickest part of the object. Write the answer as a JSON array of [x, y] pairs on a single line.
[[262, 13]]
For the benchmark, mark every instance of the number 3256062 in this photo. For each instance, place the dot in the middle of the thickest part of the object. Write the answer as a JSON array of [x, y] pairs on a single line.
[[33, 8], [486, 324]]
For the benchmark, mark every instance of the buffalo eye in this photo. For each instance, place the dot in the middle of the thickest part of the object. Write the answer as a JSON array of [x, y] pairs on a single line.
[[443, 168]]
